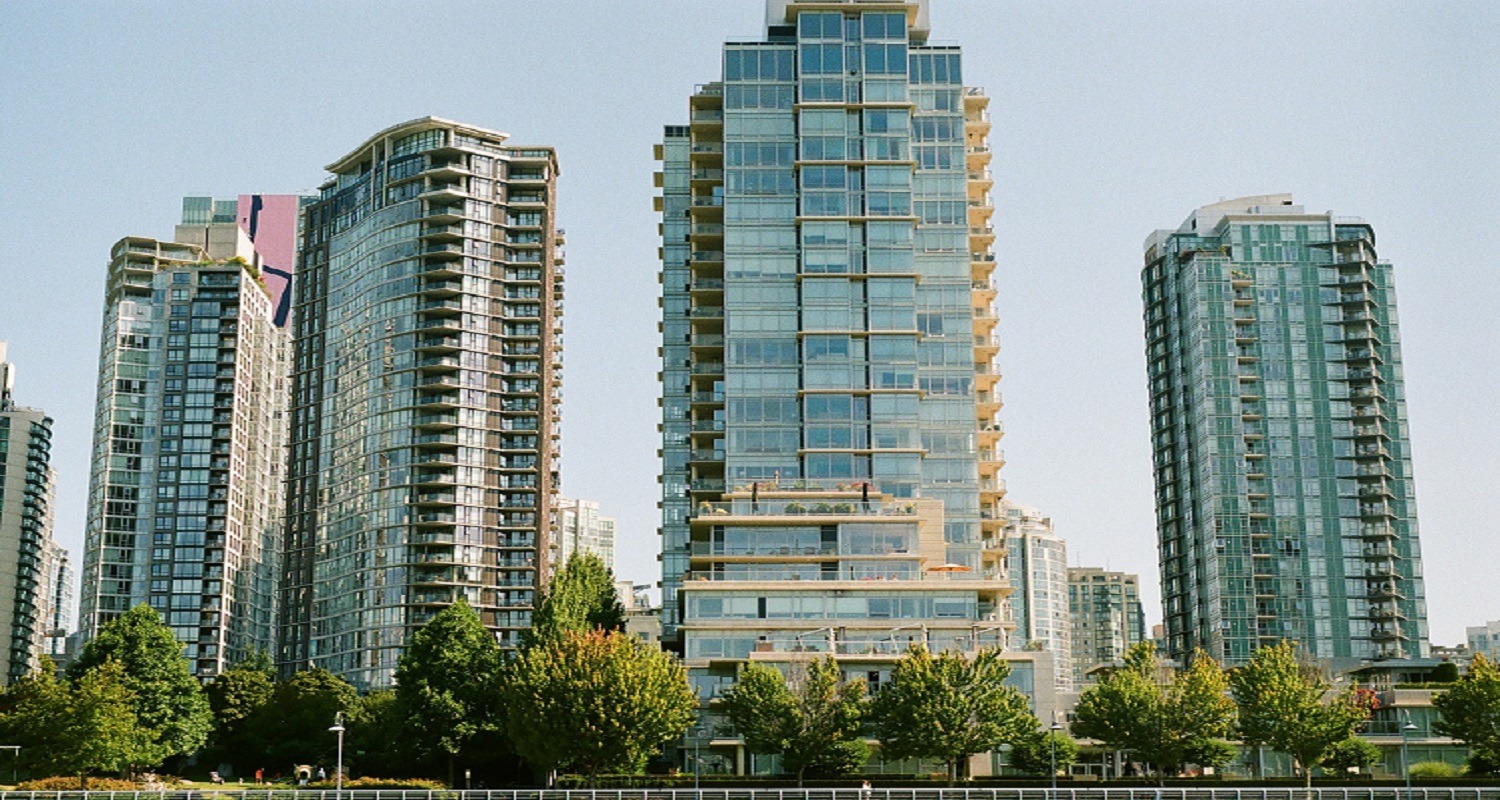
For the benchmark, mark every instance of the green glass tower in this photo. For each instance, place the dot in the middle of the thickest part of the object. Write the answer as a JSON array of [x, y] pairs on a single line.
[[1284, 496]]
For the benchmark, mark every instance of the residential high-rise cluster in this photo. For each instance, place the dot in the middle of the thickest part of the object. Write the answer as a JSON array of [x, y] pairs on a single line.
[[31, 562], [322, 419], [1284, 492]]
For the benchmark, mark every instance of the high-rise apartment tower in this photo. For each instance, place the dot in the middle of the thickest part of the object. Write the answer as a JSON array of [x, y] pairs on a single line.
[[829, 438], [580, 528], [1038, 562], [428, 317], [1284, 497], [1107, 618], [27, 550], [185, 507]]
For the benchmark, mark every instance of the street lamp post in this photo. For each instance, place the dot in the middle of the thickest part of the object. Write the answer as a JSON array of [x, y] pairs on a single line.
[[1406, 731], [698, 732], [338, 774], [1052, 740]]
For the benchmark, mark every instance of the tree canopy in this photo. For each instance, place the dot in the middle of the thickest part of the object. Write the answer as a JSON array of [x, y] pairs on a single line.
[[447, 681], [165, 697], [581, 598], [81, 727], [1165, 722], [594, 703], [949, 707], [1471, 713], [813, 721], [1290, 706]]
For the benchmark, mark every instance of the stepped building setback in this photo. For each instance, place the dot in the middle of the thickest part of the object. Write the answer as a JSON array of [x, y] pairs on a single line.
[[1284, 496], [829, 442], [428, 329]]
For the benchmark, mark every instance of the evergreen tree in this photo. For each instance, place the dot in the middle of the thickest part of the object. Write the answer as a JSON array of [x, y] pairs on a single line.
[[235, 696], [293, 727]]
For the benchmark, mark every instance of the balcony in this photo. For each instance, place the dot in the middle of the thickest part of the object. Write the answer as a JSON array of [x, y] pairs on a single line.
[[783, 507]]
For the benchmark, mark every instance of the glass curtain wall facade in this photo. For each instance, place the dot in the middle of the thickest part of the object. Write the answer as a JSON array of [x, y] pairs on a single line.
[[1038, 561], [428, 316], [189, 443], [1285, 503], [1107, 617], [27, 483], [829, 438]]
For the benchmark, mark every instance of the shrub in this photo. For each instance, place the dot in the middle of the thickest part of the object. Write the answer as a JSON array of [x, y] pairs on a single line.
[[1433, 769], [70, 783], [381, 783]]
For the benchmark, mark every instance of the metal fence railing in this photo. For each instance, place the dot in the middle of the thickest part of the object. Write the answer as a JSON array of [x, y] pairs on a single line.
[[719, 793]]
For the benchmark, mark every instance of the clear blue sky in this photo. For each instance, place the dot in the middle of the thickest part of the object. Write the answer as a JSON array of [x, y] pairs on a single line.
[[1111, 119]]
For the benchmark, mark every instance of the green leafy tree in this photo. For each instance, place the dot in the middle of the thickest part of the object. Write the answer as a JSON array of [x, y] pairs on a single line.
[[1471, 712], [1213, 753], [1033, 755], [1162, 722], [379, 740], [235, 696], [581, 598], [813, 722], [949, 707], [79, 728], [167, 700], [594, 703], [447, 684], [293, 727], [1123, 709], [1353, 753], [1290, 706]]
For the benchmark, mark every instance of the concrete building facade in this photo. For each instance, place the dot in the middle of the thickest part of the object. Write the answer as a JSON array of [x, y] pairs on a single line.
[[1485, 640], [1107, 618], [580, 528]]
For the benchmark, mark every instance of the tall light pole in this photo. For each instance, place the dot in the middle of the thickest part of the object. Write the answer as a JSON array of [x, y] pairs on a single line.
[[698, 732], [338, 774], [1406, 731], [1052, 740]]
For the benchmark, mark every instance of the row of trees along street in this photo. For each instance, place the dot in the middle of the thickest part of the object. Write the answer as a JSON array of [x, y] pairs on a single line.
[[1276, 701], [581, 696]]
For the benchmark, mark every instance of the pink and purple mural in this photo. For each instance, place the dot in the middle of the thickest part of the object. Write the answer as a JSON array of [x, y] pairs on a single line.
[[270, 220]]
